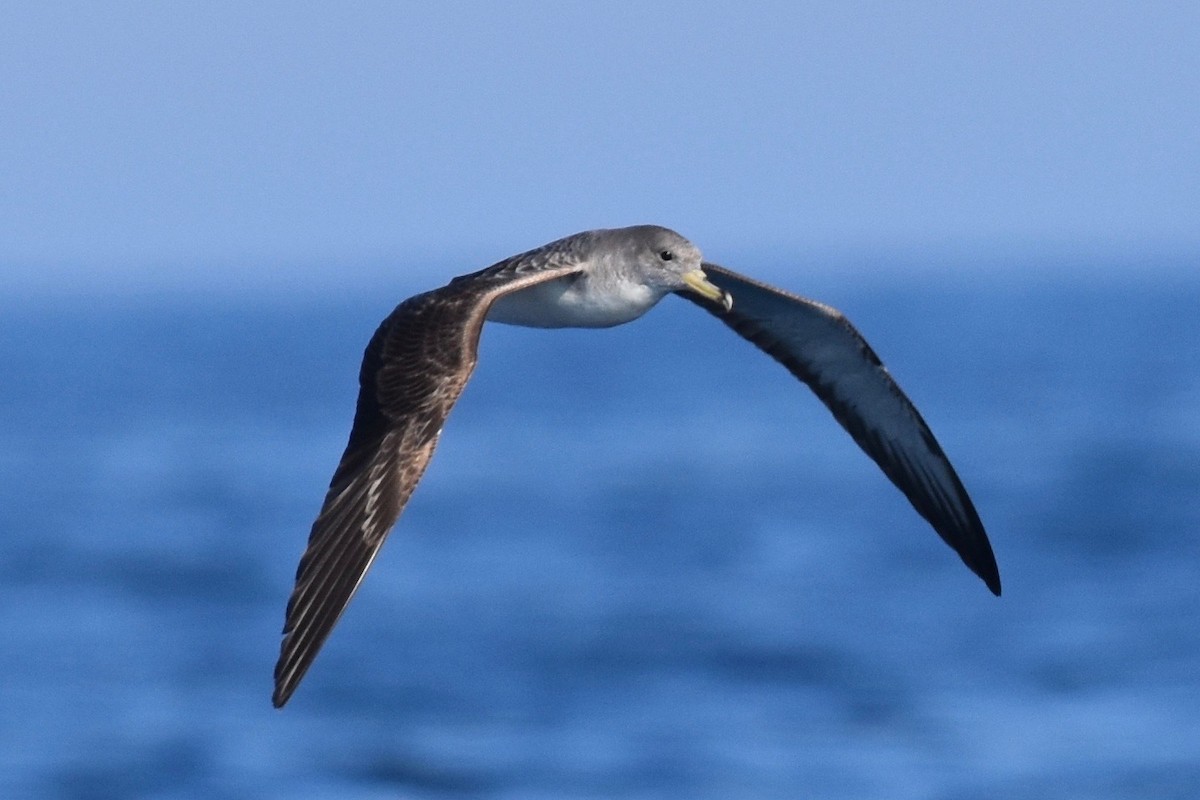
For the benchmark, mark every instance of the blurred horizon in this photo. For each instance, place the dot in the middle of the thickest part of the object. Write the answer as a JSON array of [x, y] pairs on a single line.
[[807, 272]]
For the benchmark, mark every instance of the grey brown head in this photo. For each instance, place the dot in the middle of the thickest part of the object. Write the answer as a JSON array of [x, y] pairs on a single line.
[[663, 255], [661, 258]]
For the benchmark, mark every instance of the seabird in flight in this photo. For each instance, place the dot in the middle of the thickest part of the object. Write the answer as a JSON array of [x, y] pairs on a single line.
[[420, 358]]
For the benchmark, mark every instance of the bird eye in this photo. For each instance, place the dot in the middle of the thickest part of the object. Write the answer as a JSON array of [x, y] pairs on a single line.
[[666, 255]]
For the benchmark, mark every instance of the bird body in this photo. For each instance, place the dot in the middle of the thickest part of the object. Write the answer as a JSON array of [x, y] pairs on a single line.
[[421, 357], [605, 290]]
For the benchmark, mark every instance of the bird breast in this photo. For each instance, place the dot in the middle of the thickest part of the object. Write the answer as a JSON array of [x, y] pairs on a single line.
[[574, 302]]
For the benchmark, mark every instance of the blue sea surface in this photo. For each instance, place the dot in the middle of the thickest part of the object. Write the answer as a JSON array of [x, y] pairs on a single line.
[[645, 561]]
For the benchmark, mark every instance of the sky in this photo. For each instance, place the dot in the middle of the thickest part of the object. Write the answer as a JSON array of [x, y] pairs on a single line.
[[231, 144]]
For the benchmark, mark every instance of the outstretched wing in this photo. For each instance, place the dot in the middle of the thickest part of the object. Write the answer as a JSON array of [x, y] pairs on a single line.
[[820, 347], [413, 372]]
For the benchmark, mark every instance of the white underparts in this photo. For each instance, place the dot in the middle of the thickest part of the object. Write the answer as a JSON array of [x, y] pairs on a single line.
[[575, 302]]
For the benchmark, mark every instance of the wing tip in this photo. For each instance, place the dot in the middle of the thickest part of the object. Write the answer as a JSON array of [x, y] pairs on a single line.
[[285, 685], [987, 570]]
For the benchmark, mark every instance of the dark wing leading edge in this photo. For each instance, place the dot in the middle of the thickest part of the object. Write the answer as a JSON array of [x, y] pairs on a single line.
[[820, 347], [413, 372]]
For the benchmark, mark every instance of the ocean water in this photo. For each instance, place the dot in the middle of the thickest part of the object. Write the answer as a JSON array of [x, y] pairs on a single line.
[[645, 562]]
